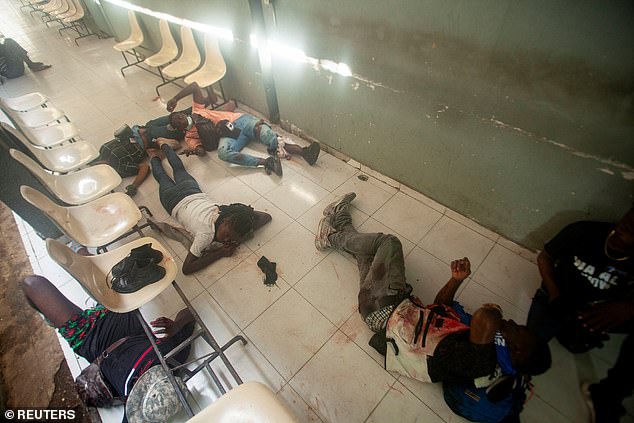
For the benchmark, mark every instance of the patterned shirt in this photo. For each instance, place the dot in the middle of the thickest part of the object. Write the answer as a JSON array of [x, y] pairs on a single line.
[[76, 329]]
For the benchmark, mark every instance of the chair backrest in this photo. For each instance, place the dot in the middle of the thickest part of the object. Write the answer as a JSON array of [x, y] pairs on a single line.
[[213, 55], [135, 28], [42, 175], [79, 267], [190, 50], [168, 44], [40, 201], [79, 10]]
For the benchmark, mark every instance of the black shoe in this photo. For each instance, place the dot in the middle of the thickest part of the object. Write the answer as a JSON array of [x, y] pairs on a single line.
[[273, 164], [311, 153], [142, 255], [138, 277]]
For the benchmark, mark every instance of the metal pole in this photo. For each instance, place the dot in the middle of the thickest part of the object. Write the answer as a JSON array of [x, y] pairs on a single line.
[[257, 19]]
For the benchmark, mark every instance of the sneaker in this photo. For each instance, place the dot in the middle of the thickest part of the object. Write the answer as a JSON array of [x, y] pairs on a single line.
[[311, 153], [324, 229], [272, 164], [601, 411], [340, 204], [138, 277]]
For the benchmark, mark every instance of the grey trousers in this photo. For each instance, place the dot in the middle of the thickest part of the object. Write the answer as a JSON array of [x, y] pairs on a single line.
[[380, 260]]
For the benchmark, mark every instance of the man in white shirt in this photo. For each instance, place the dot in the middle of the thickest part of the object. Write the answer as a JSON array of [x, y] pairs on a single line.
[[205, 220]]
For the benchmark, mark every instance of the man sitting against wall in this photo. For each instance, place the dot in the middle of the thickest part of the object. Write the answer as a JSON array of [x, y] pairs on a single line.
[[230, 131]]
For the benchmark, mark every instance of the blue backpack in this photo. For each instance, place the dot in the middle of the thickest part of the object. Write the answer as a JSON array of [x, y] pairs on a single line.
[[492, 404]]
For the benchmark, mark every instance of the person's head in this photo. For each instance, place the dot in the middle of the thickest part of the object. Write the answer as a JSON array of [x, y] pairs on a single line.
[[529, 354], [234, 227], [180, 121], [622, 238]]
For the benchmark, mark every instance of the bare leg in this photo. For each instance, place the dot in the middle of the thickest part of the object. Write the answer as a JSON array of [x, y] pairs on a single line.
[[46, 299]]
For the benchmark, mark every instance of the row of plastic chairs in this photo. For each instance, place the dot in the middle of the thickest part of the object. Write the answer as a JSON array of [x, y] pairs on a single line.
[[167, 60], [68, 13], [47, 133]]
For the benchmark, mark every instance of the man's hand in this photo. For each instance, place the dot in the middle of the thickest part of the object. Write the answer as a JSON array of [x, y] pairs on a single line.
[[198, 151], [229, 248], [460, 269], [164, 326], [607, 316], [171, 105], [131, 190]]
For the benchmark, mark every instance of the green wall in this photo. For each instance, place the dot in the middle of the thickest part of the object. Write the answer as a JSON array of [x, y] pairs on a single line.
[[517, 114]]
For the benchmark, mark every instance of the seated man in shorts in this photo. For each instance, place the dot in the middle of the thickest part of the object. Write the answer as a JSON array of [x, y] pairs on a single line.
[[13, 57], [90, 332], [446, 345], [230, 145], [205, 220]]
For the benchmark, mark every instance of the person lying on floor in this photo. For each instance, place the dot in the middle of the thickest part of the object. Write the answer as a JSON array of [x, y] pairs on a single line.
[[127, 152], [207, 221], [92, 331], [13, 57], [430, 343], [231, 131]]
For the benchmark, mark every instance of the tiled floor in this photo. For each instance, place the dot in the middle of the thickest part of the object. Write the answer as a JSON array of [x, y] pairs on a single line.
[[306, 340]]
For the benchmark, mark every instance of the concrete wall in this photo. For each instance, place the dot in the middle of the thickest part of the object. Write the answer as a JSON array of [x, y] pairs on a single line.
[[517, 114]]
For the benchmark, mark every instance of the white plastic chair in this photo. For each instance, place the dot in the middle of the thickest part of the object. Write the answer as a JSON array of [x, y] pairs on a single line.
[[76, 23], [92, 272], [214, 68], [62, 159], [168, 51], [74, 188], [251, 402], [188, 61], [130, 44], [53, 135], [95, 224], [35, 118], [25, 102]]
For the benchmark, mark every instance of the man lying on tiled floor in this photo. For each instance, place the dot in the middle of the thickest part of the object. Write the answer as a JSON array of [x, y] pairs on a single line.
[[438, 342]]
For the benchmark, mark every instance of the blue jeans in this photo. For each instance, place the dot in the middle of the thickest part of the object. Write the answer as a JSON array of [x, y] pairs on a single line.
[[229, 148], [171, 192]]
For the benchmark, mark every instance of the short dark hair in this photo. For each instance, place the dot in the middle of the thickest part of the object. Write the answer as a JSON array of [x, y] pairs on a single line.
[[538, 361], [240, 216], [171, 117]]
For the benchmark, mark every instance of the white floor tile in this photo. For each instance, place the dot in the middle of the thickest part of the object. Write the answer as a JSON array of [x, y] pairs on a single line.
[[449, 240], [289, 332], [296, 196], [279, 222], [407, 216], [359, 381], [302, 411], [294, 263], [402, 406], [243, 294], [370, 197], [332, 287], [509, 275]]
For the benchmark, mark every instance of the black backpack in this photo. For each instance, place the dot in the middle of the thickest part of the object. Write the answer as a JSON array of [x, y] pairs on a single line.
[[211, 133]]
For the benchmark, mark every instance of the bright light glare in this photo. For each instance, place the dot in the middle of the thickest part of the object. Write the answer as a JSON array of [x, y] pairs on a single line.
[[297, 55], [217, 31]]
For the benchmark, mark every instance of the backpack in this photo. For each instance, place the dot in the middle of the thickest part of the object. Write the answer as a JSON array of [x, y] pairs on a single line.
[[123, 156], [492, 404], [412, 333], [211, 133]]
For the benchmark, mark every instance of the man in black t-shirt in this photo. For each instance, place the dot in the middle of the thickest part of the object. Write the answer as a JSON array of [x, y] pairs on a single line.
[[90, 332], [587, 292]]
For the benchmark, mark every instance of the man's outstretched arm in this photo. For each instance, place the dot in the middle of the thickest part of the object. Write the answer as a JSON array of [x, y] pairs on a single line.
[[193, 264], [460, 270], [192, 88]]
